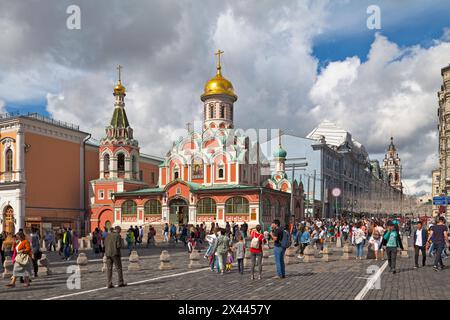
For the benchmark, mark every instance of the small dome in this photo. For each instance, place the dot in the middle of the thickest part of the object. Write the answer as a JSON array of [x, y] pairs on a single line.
[[119, 88], [219, 85], [280, 152]]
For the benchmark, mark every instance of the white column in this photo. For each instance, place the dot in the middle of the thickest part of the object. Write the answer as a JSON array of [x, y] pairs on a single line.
[[113, 168], [19, 210], [20, 150], [82, 175], [127, 168]]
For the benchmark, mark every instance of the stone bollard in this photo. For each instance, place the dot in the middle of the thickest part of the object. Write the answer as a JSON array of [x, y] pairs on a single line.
[[404, 253], [290, 255], [104, 267], [326, 253], [266, 260], [134, 262], [194, 258], [309, 254], [338, 242], [7, 267], [82, 262], [81, 244], [347, 251], [88, 243], [247, 259], [43, 246], [165, 261], [43, 266]]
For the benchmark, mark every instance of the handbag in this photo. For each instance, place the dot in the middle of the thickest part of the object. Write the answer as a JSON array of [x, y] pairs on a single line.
[[22, 259]]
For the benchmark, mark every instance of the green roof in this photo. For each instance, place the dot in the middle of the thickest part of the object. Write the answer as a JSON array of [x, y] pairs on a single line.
[[119, 118]]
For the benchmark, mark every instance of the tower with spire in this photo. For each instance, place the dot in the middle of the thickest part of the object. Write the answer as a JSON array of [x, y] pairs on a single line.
[[392, 166], [218, 99], [119, 151]]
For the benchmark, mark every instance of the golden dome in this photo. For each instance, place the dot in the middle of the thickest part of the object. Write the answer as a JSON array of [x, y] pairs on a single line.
[[218, 84], [119, 88]]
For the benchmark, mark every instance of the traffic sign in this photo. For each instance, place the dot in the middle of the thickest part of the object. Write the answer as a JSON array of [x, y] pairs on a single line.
[[440, 201], [336, 192]]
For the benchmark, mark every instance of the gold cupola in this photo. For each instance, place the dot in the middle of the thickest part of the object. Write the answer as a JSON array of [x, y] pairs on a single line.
[[218, 84], [119, 89]]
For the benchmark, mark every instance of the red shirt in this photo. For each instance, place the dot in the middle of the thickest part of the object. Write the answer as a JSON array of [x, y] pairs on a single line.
[[260, 236]]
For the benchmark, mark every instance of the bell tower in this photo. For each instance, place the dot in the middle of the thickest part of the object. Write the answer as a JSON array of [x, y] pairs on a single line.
[[392, 166], [218, 99], [119, 151]]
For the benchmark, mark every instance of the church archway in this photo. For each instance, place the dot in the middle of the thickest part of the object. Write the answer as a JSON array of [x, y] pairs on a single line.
[[178, 211]]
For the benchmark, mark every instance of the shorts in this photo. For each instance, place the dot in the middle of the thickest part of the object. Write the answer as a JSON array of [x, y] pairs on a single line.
[[376, 244]]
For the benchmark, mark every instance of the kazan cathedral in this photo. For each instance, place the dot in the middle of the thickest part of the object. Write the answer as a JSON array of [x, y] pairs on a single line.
[[216, 175]]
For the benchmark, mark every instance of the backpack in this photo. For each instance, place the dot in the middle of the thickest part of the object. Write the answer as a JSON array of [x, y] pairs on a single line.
[[286, 240], [255, 243]]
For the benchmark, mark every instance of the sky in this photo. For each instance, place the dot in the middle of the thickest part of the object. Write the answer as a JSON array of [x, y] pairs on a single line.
[[292, 64]]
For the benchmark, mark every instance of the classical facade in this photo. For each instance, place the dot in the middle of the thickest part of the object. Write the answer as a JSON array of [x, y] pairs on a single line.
[[209, 176], [444, 133]]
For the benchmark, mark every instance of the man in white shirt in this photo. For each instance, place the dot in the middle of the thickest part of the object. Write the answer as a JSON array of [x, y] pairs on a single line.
[[420, 242]]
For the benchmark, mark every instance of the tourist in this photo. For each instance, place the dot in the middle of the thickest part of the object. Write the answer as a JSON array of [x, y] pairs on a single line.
[[420, 240], [75, 238], [256, 250], [392, 240], [166, 233], [66, 240], [439, 233], [244, 230], [315, 237], [345, 231], [211, 252], [22, 261], [322, 235], [35, 250], [230, 260], [358, 238], [136, 236], [95, 243], [49, 240], [184, 234], [113, 244], [278, 250], [141, 234], [213, 226], [223, 245], [130, 240], [227, 229], [239, 250], [151, 236], [2, 251], [304, 241], [375, 238]]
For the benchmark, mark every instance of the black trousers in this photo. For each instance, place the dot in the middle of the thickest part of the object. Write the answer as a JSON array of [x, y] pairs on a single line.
[[110, 261], [418, 249], [392, 257]]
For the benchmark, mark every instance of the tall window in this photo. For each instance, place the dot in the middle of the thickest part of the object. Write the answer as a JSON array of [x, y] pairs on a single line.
[[152, 207], [9, 161], [120, 162], [133, 165], [266, 207], [222, 111], [206, 206], [176, 172], [237, 205], [220, 171], [277, 208], [106, 163], [211, 111], [129, 208]]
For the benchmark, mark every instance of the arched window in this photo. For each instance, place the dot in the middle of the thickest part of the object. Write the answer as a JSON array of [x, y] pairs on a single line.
[[129, 208], [197, 168], [222, 111], [120, 162], [152, 207], [220, 171], [237, 205], [9, 161], [176, 172], [211, 111], [266, 207], [106, 163], [206, 206]]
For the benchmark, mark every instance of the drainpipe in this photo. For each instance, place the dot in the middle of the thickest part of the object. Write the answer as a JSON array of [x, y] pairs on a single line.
[[84, 184]]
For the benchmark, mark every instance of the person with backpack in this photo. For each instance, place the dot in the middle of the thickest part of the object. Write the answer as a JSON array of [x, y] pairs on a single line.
[[239, 250], [280, 245], [304, 238], [223, 245], [392, 240], [256, 250]]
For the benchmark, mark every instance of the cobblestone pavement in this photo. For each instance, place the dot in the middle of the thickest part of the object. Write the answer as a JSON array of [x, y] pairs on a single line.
[[319, 280]]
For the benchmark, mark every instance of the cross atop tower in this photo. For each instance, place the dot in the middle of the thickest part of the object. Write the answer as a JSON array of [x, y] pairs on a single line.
[[218, 54], [119, 68]]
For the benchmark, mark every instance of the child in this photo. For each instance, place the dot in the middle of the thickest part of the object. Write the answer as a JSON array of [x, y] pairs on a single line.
[[239, 249], [229, 261]]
